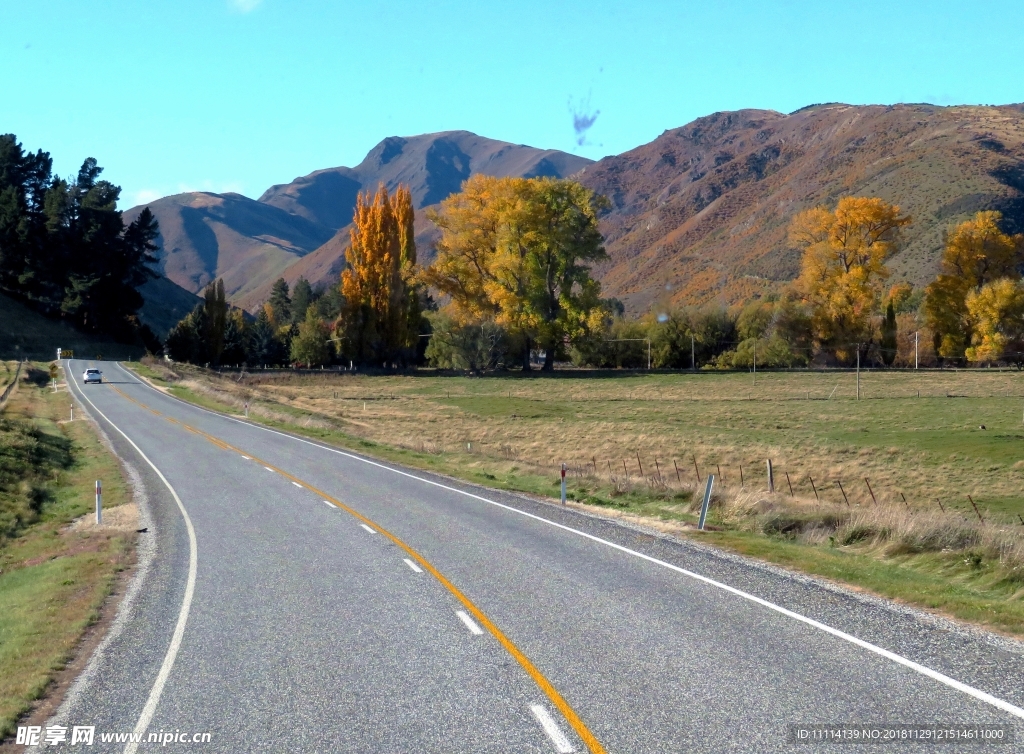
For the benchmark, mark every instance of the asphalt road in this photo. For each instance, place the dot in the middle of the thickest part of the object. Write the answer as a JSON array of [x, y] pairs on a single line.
[[317, 609]]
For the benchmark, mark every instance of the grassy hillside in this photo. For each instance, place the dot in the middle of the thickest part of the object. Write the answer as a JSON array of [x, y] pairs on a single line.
[[56, 567], [28, 334]]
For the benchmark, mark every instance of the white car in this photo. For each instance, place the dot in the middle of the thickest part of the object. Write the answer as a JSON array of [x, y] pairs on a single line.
[[92, 375]]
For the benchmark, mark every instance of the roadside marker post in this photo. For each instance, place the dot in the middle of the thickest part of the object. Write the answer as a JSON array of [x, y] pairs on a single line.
[[707, 502], [563, 484], [99, 503]]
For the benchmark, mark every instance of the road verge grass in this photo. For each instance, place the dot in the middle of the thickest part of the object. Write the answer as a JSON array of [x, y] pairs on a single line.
[[55, 573], [938, 560]]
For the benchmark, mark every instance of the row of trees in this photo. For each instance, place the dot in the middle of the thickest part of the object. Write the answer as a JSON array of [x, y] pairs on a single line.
[[512, 273], [64, 247], [511, 261], [840, 310]]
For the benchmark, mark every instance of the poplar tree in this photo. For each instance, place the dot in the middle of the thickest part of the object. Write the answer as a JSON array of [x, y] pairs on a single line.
[[378, 279]]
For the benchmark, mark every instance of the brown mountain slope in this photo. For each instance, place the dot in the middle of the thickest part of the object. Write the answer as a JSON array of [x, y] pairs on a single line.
[[206, 236], [701, 213], [433, 166]]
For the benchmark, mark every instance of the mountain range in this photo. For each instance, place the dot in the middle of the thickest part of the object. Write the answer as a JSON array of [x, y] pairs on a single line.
[[699, 214]]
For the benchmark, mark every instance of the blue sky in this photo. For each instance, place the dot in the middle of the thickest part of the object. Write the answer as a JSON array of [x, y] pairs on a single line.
[[236, 95]]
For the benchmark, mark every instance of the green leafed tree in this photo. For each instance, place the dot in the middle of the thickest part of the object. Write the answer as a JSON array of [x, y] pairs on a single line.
[[311, 346]]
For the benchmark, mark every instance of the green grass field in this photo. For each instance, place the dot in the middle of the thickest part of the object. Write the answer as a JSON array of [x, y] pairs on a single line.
[[53, 576], [919, 539]]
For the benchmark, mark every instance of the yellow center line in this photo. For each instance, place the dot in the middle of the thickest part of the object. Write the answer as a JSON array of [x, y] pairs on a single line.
[[542, 682]]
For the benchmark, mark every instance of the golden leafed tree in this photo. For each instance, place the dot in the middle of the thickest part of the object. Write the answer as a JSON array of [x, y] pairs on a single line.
[[977, 253], [515, 251], [996, 313], [378, 279], [843, 268]]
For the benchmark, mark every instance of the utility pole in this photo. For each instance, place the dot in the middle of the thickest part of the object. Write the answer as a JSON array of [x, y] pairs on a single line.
[[755, 361], [693, 357], [858, 371], [916, 339], [648, 354]]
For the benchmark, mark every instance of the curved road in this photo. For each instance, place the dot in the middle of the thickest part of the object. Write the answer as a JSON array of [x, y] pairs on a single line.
[[324, 602]]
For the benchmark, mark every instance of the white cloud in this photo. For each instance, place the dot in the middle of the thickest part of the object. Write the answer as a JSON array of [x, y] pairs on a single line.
[[244, 6]]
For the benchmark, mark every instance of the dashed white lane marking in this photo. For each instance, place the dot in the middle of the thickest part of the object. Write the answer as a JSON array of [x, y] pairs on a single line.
[[368, 528], [297, 485], [550, 727], [246, 458], [412, 565], [268, 469], [875, 649], [190, 586], [329, 505], [470, 623]]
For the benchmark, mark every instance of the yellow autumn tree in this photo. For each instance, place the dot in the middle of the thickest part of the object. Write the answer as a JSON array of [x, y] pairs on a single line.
[[843, 268], [378, 280], [996, 314], [513, 251], [977, 253]]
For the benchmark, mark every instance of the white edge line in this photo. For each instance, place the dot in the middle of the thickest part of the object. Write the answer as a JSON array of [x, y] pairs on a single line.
[[269, 469], [412, 565], [246, 458], [328, 503], [297, 485], [562, 745], [898, 659], [470, 623], [179, 630], [368, 528]]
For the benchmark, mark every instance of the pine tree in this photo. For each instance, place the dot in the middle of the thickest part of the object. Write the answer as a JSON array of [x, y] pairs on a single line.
[[281, 303], [302, 297], [262, 345]]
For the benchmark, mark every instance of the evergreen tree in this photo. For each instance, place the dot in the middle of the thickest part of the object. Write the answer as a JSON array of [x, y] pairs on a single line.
[[888, 341], [262, 345], [302, 297], [281, 303], [64, 248]]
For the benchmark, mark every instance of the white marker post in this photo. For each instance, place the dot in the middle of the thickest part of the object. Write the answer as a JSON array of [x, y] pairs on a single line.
[[563, 484], [707, 502], [99, 503]]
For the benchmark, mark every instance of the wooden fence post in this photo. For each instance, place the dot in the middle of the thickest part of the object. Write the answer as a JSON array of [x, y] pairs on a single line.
[[871, 491], [771, 477], [976, 509]]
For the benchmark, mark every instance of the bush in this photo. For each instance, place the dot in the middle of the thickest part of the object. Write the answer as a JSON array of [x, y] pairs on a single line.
[[476, 347]]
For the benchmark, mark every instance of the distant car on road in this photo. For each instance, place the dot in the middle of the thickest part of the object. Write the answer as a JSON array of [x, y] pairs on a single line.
[[92, 375]]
